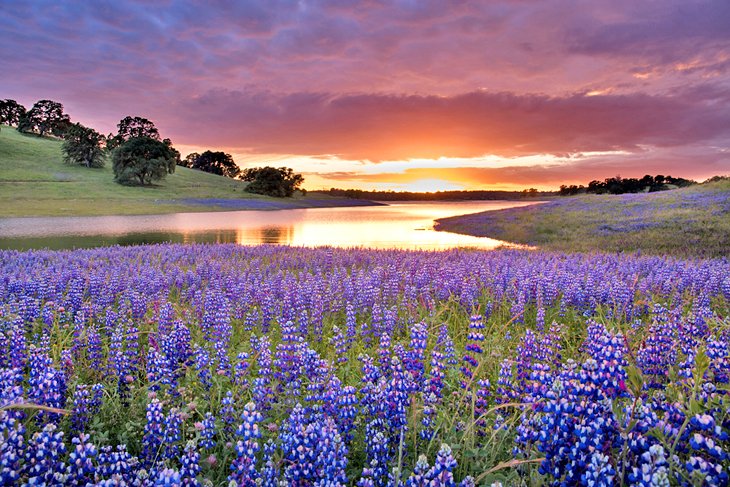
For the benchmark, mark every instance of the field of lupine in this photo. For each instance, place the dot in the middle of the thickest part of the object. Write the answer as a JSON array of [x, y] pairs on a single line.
[[220, 364]]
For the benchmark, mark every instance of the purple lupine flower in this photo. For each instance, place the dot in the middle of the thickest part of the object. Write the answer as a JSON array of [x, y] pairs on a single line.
[[372, 380], [505, 384], [44, 463], [418, 477], [658, 352], [339, 343], [179, 351], [154, 432], [12, 448], [208, 432], [472, 350], [227, 413], [202, 365], [540, 318], [481, 404], [47, 385], [18, 355], [288, 362], [347, 411], [48, 313], [132, 352], [706, 472], [241, 369], [441, 473], [116, 465], [4, 351], [190, 467], [86, 403], [351, 321], [165, 319], [270, 470], [599, 471], [80, 470], [171, 435], [314, 449], [377, 449], [158, 371], [340, 403], [384, 351], [243, 468], [432, 394], [252, 320], [262, 393], [414, 358], [11, 390], [397, 394], [652, 468], [446, 345], [168, 477], [93, 348]]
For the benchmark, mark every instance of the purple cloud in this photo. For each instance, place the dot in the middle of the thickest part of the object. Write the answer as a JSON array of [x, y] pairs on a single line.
[[382, 79], [378, 127]]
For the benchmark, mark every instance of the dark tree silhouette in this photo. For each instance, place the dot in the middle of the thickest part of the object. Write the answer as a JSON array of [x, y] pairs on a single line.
[[45, 117], [143, 160], [130, 128], [82, 146], [271, 181], [214, 162], [189, 160], [619, 185], [11, 112]]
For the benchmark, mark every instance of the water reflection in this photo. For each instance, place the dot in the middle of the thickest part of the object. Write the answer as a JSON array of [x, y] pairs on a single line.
[[399, 225]]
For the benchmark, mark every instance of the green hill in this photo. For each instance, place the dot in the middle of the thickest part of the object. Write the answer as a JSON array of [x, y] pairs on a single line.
[[693, 221], [34, 181]]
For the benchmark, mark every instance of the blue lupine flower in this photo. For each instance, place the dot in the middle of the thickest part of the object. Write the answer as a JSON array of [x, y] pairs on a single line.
[[190, 468], [44, 457], [227, 413], [86, 403], [243, 468], [168, 478], [81, 469], [12, 448], [171, 435], [154, 432], [441, 474], [209, 432]]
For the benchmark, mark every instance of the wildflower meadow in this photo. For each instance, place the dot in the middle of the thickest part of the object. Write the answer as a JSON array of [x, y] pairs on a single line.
[[270, 365]]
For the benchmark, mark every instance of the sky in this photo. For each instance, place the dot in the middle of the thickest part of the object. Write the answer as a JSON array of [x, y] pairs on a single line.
[[416, 95]]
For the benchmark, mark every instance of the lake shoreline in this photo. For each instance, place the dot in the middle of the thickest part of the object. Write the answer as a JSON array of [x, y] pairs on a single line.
[[398, 224], [686, 222]]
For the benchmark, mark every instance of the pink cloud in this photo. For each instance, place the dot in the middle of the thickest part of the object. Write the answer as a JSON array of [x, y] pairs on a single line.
[[381, 127]]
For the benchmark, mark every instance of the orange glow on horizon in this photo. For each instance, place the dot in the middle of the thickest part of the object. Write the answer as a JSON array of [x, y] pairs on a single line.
[[489, 172]]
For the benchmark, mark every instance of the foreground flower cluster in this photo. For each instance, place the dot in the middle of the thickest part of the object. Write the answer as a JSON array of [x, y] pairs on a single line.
[[227, 365]]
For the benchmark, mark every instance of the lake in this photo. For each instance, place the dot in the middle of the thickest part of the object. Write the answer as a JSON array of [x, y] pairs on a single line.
[[405, 225]]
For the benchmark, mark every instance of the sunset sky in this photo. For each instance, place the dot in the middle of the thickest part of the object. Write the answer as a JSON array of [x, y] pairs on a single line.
[[404, 95]]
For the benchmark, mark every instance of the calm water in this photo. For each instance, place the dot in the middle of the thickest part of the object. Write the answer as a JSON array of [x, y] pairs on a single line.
[[406, 225]]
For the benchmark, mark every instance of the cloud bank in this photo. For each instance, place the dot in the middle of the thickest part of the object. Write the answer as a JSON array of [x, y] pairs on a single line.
[[377, 80]]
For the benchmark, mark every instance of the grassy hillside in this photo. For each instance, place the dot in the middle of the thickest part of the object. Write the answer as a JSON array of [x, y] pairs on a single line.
[[692, 221], [34, 181]]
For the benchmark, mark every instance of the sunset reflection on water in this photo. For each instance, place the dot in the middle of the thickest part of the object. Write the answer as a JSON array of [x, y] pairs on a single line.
[[404, 225]]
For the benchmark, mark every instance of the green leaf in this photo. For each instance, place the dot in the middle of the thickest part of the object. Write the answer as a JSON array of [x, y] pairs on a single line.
[[635, 380]]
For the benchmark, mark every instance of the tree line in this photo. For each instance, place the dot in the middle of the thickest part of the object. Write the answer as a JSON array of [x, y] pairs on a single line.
[[619, 185], [138, 154], [435, 195]]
